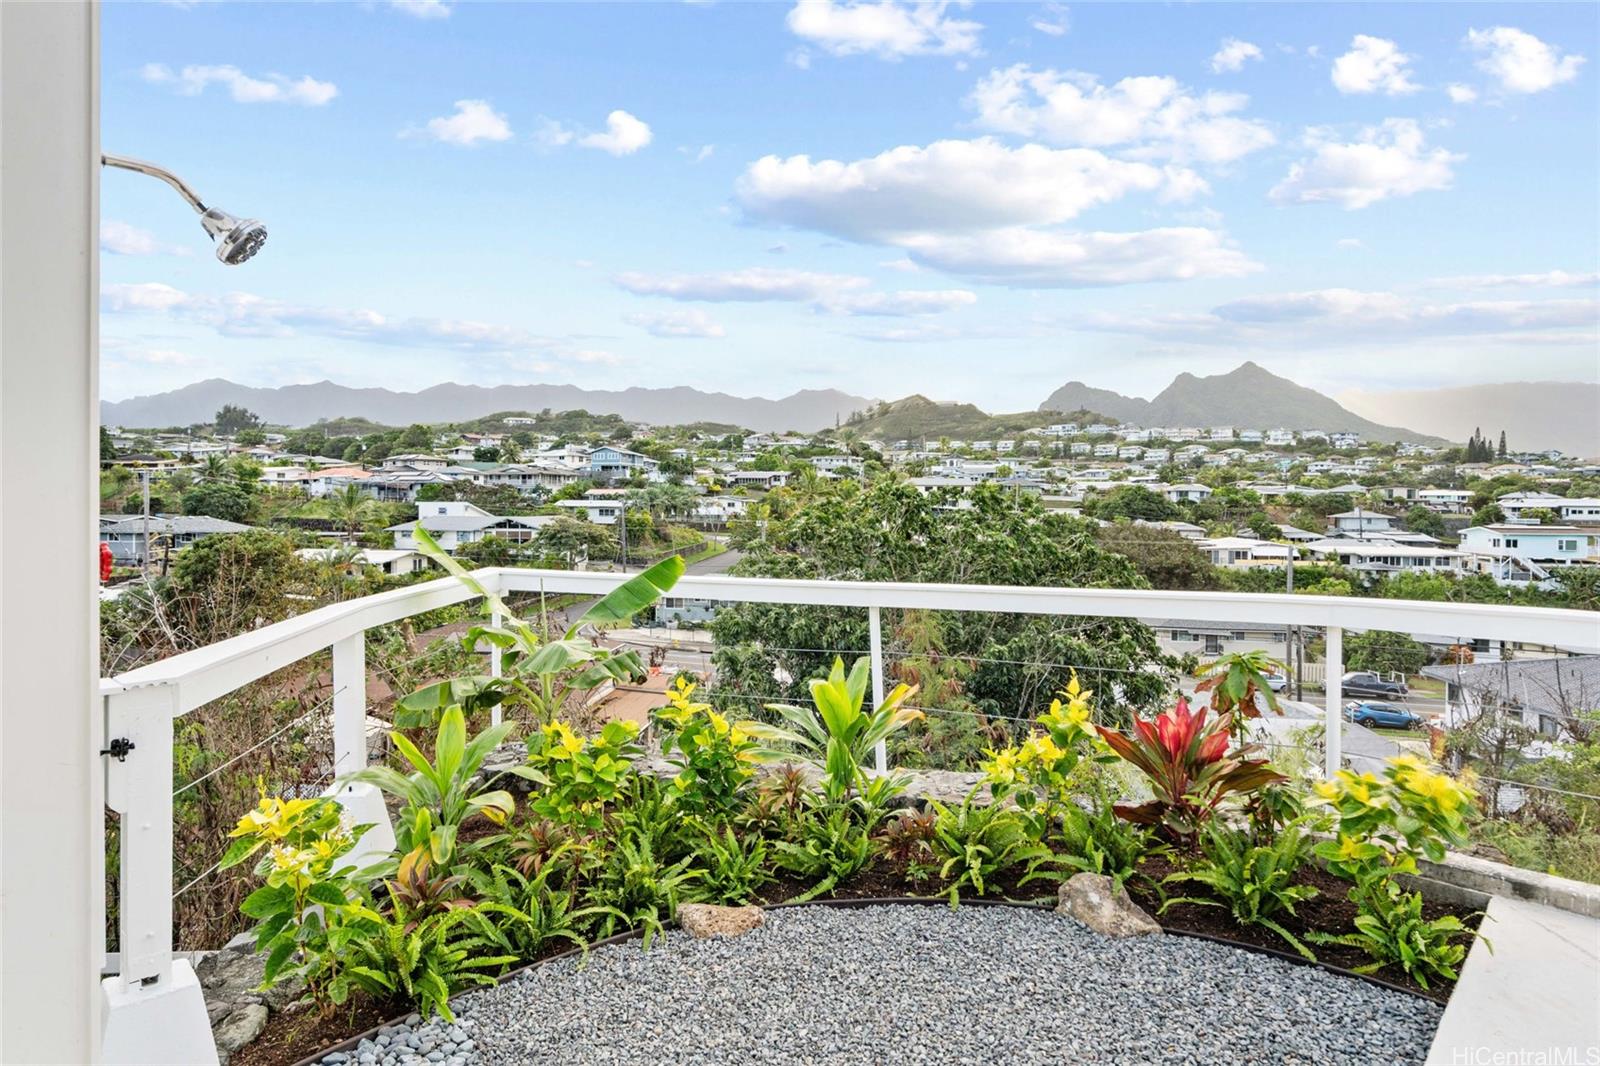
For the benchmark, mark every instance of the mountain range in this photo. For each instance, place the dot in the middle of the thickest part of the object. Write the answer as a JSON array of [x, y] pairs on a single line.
[[301, 405], [1247, 396]]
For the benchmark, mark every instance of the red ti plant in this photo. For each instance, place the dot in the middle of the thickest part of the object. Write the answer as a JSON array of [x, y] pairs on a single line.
[[1189, 767]]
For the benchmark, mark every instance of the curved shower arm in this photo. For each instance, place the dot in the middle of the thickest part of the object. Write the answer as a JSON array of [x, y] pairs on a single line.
[[139, 165]]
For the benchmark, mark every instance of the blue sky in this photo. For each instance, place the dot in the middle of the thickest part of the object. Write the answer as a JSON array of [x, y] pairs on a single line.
[[974, 202]]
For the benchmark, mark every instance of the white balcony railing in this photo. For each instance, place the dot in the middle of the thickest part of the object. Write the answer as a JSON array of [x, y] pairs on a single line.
[[140, 706]]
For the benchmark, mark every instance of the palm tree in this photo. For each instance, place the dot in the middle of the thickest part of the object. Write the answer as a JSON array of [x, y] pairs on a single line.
[[215, 468], [349, 508], [510, 451]]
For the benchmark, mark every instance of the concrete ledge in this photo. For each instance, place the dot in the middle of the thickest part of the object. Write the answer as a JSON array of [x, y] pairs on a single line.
[[1468, 875]]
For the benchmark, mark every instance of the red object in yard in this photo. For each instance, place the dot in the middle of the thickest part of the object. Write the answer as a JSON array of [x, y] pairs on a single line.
[[105, 562]]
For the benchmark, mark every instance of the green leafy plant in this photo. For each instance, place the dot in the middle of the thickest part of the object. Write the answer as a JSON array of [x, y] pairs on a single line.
[[424, 962], [1255, 882], [1238, 686], [713, 757], [831, 847], [838, 735], [541, 843], [537, 673], [779, 802], [577, 776], [307, 888], [443, 793], [635, 887], [1188, 765], [735, 866], [1383, 824], [976, 842], [529, 910], [1391, 929], [907, 838], [1096, 841], [1038, 773]]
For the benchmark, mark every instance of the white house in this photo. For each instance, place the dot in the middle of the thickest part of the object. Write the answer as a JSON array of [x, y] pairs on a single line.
[[758, 479], [1560, 545], [1192, 493], [455, 523], [395, 562], [1450, 501], [603, 512], [837, 464], [720, 508], [1386, 557], [526, 476], [1574, 509], [1241, 552], [1185, 636], [1358, 523]]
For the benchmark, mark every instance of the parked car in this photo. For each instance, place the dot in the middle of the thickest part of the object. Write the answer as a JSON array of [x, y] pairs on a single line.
[[1387, 715], [1362, 683], [1277, 682]]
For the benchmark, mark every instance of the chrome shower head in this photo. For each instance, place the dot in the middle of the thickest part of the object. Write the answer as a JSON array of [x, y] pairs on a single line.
[[237, 240]]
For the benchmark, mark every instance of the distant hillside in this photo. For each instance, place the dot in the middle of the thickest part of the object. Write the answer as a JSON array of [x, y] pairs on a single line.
[[301, 405], [1246, 396], [1536, 415], [919, 418]]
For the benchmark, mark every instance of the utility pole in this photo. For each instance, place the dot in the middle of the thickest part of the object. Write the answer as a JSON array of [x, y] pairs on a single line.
[[1294, 631], [624, 534], [144, 555]]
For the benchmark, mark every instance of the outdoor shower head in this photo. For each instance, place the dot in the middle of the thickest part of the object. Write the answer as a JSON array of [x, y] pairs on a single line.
[[237, 240]]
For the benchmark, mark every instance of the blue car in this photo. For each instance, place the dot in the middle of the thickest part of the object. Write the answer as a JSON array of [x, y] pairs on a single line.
[[1385, 715]]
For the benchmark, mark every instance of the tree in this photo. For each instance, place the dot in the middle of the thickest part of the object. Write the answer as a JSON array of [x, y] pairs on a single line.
[[1384, 652], [415, 438], [574, 538], [306, 442], [1420, 519], [1500, 452], [1136, 501], [250, 438], [663, 501], [1262, 525], [214, 468], [231, 419], [107, 449], [1580, 585], [1542, 515], [218, 499], [1488, 515], [349, 508], [496, 499], [889, 531], [1167, 560], [486, 454], [489, 551]]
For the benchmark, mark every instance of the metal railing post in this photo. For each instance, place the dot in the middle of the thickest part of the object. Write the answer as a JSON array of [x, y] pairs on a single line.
[[495, 666], [880, 751], [139, 787], [350, 705], [1332, 675]]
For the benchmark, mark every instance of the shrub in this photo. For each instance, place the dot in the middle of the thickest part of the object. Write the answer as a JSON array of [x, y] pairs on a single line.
[[830, 848], [1099, 842], [529, 910], [1189, 768], [1036, 772], [1255, 882], [636, 887], [838, 736], [713, 757], [979, 841], [578, 776], [427, 961], [735, 866]]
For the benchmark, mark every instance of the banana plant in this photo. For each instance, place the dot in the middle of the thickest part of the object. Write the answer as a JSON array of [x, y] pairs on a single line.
[[539, 673], [837, 736]]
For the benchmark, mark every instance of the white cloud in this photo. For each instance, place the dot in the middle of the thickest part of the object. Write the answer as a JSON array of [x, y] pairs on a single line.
[[978, 208], [422, 9], [119, 238], [1230, 57], [886, 29], [273, 89], [844, 294], [1149, 116], [1520, 62], [1461, 94], [242, 314], [624, 135], [1390, 160], [473, 123], [1373, 65], [1344, 316], [1052, 20], [949, 185], [1556, 279], [698, 155], [1349, 242], [676, 324], [1051, 258]]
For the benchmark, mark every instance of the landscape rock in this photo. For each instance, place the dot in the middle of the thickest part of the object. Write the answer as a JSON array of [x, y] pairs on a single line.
[[702, 920], [1103, 905], [239, 1028]]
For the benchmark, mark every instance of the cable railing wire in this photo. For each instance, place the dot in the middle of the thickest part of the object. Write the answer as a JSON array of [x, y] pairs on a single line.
[[258, 745]]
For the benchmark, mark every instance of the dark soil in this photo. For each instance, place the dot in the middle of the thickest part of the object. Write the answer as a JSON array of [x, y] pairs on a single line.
[[291, 1036]]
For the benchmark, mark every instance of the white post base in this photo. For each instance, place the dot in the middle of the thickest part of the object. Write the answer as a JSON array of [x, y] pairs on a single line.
[[159, 1024], [364, 804]]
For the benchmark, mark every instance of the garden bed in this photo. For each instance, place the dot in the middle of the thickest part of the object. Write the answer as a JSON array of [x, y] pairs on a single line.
[[845, 984]]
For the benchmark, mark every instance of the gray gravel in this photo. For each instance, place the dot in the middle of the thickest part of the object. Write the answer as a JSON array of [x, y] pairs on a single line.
[[415, 1043], [927, 985]]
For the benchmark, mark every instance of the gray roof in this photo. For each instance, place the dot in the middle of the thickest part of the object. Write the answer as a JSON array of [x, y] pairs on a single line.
[[1197, 625], [1554, 686], [174, 524]]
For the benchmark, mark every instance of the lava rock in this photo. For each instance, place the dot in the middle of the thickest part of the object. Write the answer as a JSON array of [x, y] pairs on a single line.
[[702, 920], [1103, 905]]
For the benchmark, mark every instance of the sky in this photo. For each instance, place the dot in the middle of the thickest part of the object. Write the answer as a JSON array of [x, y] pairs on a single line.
[[975, 202]]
